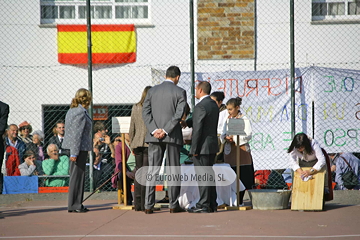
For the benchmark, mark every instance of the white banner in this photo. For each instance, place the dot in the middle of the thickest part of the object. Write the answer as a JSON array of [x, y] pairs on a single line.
[[331, 95], [337, 104]]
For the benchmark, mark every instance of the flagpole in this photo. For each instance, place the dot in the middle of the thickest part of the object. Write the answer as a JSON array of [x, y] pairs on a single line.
[[89, 46]]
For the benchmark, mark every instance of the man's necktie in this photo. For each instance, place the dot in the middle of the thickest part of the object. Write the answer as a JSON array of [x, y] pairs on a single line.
[[61, 141]]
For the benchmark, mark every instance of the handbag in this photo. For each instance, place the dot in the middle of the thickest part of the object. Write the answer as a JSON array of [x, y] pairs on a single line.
[[131, 164], [349, 178]]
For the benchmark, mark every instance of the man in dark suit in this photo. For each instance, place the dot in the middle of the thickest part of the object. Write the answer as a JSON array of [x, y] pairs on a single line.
[[163, 108], [4, 114], [59, 137], [204, 145]]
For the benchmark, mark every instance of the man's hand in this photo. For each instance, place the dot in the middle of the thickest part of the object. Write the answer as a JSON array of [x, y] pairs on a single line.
[[159, 134], [162, 134], [73, 159], [183, 124]]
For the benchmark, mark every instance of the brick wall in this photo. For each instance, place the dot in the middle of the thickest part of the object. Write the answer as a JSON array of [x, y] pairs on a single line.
[[225, 29]]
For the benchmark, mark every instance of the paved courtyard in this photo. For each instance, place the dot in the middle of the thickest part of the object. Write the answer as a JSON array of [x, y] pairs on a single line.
[[44, 216]]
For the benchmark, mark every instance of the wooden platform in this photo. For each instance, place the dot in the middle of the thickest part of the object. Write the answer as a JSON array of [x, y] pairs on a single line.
[[308, 195], [243, 208]]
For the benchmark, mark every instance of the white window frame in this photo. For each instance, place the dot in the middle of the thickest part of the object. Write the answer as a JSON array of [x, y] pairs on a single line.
[[94, 3], [327, 17]]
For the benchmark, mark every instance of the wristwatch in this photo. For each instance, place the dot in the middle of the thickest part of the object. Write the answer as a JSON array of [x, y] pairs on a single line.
[[312, 171]]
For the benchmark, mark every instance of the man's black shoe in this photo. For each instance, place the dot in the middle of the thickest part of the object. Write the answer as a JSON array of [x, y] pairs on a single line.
[[149, 211], [164, 200], [212, 210], [177, 210], [199, 210]]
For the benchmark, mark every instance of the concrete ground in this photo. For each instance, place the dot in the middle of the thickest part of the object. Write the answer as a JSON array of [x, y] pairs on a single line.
[[45, 216]]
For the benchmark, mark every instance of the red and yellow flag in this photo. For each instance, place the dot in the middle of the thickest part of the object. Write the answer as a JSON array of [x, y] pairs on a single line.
[[110, 44]]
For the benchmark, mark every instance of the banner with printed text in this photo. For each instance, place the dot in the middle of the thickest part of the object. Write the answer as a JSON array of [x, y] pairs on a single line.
[[327, 107]]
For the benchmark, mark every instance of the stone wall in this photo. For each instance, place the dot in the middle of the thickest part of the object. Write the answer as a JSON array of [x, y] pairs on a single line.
[[226, 29]]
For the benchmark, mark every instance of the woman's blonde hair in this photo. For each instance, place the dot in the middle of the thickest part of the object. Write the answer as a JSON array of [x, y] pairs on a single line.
[[83, 97]]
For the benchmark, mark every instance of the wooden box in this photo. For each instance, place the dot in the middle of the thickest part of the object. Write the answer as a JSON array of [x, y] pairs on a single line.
[[308, 195]]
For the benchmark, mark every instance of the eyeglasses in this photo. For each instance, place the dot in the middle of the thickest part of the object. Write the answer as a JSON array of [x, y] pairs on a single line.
[[117, 140], [23, 128]]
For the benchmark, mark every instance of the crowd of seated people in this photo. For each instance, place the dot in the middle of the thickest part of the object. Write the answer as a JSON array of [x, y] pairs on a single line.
[[26, 154]]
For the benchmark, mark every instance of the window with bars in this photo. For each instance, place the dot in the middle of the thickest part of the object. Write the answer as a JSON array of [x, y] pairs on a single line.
[[335, 10], [102, 11]]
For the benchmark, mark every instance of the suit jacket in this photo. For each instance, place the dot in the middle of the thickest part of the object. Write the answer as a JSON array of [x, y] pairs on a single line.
[[204, 123], [78, 126], [163, 108], [4, 113]]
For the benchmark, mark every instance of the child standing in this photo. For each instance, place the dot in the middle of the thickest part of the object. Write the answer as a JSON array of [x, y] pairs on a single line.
[[230, 141]]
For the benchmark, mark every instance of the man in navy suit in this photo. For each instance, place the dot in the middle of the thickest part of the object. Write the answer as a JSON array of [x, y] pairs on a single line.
[[204, 145], [163, 108], [4, 114]]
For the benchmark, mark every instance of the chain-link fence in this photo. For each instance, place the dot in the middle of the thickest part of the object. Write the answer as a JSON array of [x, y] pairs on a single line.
[[241, 46]]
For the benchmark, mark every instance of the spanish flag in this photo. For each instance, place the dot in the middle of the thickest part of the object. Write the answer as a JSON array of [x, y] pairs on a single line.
[[110, 44]]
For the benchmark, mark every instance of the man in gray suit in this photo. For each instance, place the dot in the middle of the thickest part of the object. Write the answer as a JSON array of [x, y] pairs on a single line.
[[163, 108], [78, 139], [204, 145]]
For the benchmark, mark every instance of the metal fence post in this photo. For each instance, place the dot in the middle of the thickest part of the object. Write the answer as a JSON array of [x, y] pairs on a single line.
[[89, 45]]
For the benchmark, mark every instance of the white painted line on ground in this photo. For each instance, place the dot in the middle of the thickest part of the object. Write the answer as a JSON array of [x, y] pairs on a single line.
[[178, 236]]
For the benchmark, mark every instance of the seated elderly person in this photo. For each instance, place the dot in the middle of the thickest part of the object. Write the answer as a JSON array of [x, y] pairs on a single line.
[[56, 166], [343, 163], [27, 168], [37, 145]]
